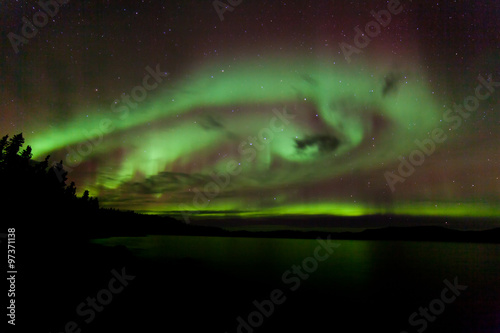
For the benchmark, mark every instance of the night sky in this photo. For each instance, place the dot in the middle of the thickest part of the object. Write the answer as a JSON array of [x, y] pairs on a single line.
[[282, 107]]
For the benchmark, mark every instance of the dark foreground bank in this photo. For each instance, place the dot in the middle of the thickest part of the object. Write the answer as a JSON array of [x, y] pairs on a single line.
[[65, 283]]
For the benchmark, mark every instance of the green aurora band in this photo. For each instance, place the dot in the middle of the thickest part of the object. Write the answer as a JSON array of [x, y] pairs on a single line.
[[175, 139]]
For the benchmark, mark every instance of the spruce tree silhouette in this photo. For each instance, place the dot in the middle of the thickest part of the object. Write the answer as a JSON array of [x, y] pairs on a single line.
[[31, 190]]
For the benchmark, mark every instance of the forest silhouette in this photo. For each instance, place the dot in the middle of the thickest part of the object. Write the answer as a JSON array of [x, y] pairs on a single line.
[[32, 189]]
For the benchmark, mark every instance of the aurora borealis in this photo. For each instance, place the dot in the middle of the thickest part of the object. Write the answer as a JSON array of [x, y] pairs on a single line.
[[162, 107]]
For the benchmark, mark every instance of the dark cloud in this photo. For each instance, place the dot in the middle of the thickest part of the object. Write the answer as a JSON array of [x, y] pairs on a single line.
[[325, 143], [166, 182], [210, 123], [309, 80], [391, 83]]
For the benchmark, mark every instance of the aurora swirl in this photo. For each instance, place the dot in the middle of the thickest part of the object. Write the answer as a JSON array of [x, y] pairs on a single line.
[[303, 134]]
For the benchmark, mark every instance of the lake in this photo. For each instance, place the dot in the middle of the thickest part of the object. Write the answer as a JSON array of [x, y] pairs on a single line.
[[224, 284]]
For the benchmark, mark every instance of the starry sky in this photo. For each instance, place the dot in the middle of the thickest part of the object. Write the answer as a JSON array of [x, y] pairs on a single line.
[[277, 107]]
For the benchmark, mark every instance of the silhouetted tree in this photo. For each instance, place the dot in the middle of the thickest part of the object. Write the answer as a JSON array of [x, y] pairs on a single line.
[[85, 196], [71, 190], [3, 144], [13, 147], [58, 174], [26, 154]]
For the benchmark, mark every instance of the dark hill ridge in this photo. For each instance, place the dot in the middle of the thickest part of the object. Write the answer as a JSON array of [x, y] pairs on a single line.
[[328, 222], [424, 233], [112, 223]]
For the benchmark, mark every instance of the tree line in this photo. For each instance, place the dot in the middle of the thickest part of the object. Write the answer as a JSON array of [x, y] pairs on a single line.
[[32, 188]]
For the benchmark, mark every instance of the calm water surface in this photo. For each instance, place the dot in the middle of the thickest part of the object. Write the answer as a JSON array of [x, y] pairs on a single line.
[[360, 285]]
